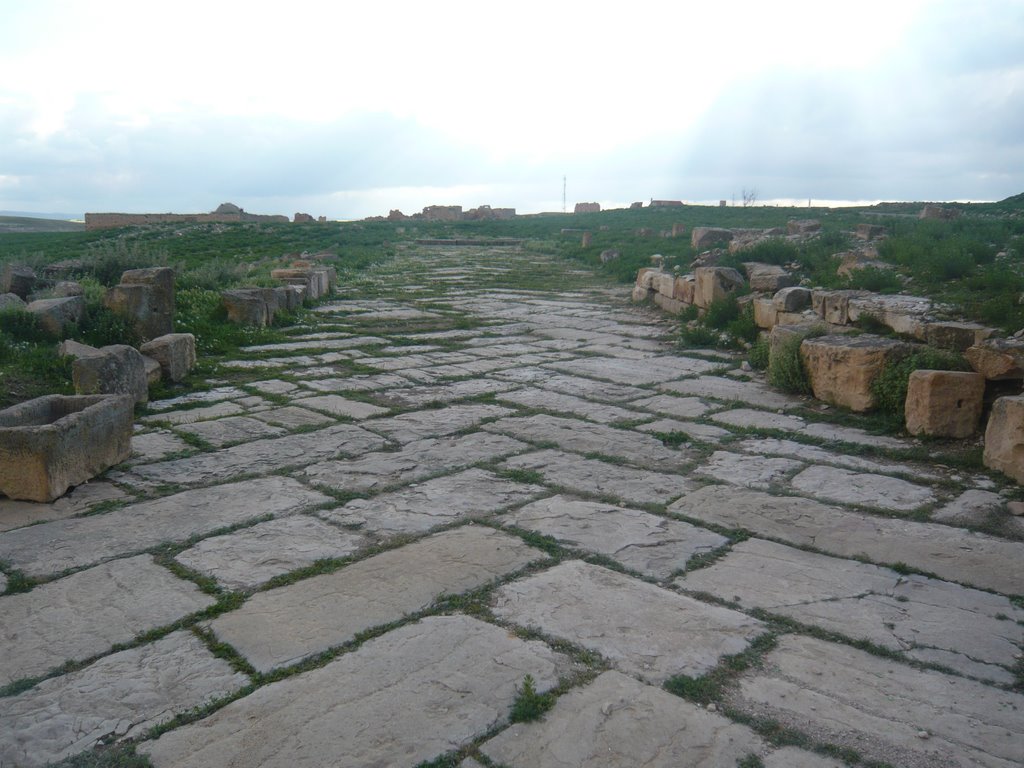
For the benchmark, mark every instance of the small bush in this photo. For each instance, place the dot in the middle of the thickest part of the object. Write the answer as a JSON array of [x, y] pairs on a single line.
[[699, 336], [786, 368], [772, 251], [875, 279], [759, 354], [530, 705], [743, 327], [20, 325], [721, 313], [101, 326], [889, 388]]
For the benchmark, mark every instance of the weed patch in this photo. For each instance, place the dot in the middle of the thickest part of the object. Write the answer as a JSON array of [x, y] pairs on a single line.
[[530, 705]]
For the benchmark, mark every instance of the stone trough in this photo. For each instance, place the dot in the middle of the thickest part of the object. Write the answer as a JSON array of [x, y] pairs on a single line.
[[54, 442]]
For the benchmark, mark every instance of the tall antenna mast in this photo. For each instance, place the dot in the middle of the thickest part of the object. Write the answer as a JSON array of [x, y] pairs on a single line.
[[563, 194]]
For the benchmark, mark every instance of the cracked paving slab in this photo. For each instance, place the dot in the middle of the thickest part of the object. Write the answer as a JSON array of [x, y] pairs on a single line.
[[815, 455], [81, 615], [722, 388], [263, 456], [399, 700], [562, 403], [654, 370], [569, 470], [444, 393], [651, 545], [578, 386], [880, 707], [252, 556], [642, 629], [951, 553], [336, 405], [434, 422], [586, 438], [978, 631], [120, 696], [419, 507], [56, 546], [865, 489], [750, 471], [16, 514], [676, 407], [232, 429], [282, 626]]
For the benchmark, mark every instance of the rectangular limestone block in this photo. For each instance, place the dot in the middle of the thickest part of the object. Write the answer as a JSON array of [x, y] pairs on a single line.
[[684, 289], [669, 304], [51, 443], [944, 403], [665, 284], [714, 283], [841, 368], [176, 353], [1004, 437], [765, 314]]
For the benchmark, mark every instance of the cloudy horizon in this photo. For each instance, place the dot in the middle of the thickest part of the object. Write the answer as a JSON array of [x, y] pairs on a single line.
[[116, 106]]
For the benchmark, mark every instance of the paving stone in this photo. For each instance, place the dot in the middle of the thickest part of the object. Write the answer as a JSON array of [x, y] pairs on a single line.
[[862, 601], [794, 757], [705, 433], [562, 403], [444, 393], [232, 429], [293, 417], [437, 422], [584, 437], [750, 471], [854, 435], [422, 506], [866, 489], [399, 700], [569, 470], [336, 405], [252, 556], [156, 445], [678, 407], [962, 556], [192, 415], [815, 455], [121, 696], [972, 507], [654, 370], [579, 386], [879, 707], [318, 343], [642, 629], [752, 419], [274, 386], [282, 626], [651, 545], [720, 388], [55, 546], [15, 514], [416, 460], [81, 615], [366, 383], [206, 396], [264, 456], [616, 721]]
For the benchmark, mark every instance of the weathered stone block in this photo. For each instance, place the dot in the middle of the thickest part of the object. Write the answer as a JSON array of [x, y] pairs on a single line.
[[705, 237], [803, 227], [904, 314], [51, 443], [175, 352], [146, 298], [782, 333], [250, 306], [715, 283], [154, 373], [997, 358], [767, 277], [68, 288], [869, 231], [17, 279], [944, 403], [316, 281], [792, 299], [645, 277], [72, 348], [640, 293], [116, 370], [956, 336], [665, 284], [11, 301], [1004, 437], [764, 313], [670, 305], [685, 287], [54, 314], [834, 306], [841, 368]]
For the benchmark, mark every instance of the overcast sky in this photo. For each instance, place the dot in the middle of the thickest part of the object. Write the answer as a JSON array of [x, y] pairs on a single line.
[[348, 111]]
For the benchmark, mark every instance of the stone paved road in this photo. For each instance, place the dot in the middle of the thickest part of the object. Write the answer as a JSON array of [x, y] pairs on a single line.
[[479, 465]]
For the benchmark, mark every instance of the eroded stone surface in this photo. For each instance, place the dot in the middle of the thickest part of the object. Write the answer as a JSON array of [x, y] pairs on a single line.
[[400, 700], [721, 388], [559, 402], [336, 405], [815, 455], [293, 417], [880, 707], [751, 471], [579, 386], [752, 419], [434, 423], [284, 625], [422, 506], [653, 370], [869, 490], [232, 429], [569, 470], [53, 547], [652, 545], [640, 628], [121, 695], [84, 614], [862, 601], [969, 558], [252, 556], [444, 393], [585, 438], [192, 415], [616, 721], [677, 407], [15, 514], [153, 446], [264, 456]]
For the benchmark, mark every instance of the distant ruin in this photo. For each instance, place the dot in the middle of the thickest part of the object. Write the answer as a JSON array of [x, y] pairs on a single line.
[[227, 213], [451, 213]]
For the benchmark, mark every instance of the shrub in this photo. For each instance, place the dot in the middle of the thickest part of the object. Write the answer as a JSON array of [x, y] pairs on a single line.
[[889, 388], [530, 705], [20, 325], [759, 354], [772, 251], [722, 312], [875, 279], [102, 326], [786, 368], [743, 327], [699, 336]]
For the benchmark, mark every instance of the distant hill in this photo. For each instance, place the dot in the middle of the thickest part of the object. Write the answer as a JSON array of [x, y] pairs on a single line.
[[24, 223]]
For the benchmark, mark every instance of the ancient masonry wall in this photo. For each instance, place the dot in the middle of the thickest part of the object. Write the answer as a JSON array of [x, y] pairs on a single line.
[[110, 220]]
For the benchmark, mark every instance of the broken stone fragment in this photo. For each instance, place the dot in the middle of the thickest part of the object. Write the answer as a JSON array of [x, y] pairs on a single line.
[[175, 353], [115, 370], [792, 299], [1004, 437], [17, 279], [714, 283], [55, 314], [998, 358], [145, 297]]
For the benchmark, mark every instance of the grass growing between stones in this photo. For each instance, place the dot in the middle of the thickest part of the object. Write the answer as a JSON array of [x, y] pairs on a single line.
[[529, 704]]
